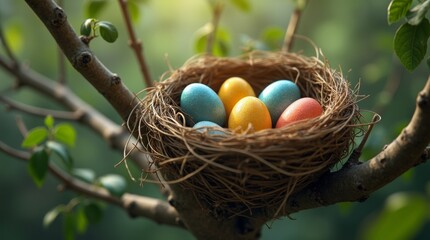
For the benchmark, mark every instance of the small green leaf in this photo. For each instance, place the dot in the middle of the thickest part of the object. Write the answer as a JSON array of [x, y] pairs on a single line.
[[418, 13], [86, 175], [52, 215], [243, 5], [65, 133], [69, 225], [49, 122], [93, 212], [273, 37], [108, 31], [221, 44], [397, 9], [81, 220], [410, 43], [115, 184], [87, 27], [35, 137], [62, 152], [134, 10], [93, 8], [412, 210], [38, 166]]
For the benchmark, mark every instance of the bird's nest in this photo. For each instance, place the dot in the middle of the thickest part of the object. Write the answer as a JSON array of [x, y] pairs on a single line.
[[239, 173]]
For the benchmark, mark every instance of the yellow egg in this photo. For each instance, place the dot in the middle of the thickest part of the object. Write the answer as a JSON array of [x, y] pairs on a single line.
[[232, 90], [249, 110]]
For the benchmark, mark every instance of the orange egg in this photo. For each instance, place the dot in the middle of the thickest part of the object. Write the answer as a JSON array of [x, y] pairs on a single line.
[[249, 111], [303, 108], [232, 90]]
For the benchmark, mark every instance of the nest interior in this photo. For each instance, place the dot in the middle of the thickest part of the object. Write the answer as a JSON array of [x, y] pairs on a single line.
[[238, 174]]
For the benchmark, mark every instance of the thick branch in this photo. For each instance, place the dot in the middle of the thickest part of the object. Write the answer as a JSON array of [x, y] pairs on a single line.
[[356, 183], [83, 59]]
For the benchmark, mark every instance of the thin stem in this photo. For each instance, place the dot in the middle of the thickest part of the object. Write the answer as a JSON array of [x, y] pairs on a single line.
[[7, 47], [42, 112], [216, 16], [135, 44], [292, 26]]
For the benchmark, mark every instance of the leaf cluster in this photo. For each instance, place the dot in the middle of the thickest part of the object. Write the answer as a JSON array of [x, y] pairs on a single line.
[[410, 40]]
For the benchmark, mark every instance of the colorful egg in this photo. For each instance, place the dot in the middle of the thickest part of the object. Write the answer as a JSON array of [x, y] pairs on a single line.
[[278, 96], [203, 125], [304, 108], [249, 110], [201, 103], [232, 90]]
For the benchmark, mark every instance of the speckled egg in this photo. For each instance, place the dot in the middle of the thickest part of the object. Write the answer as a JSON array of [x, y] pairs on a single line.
[[303, 108], [201, 103], [249, 110], [232, 90], [278, 95]]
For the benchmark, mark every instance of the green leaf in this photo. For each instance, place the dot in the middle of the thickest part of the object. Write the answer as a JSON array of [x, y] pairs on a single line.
[[93, 212], [221, 45], [410, 43], [52, 215], [81, 220], [62, 152], [115, 184], [69, 225], [397, 9], [108, 31], [87, 27], [35, 137], [86, 175], [243, 5], [65, 133], [134, 10], [418, 13], [49, 122], [273, 37], [38, 166], [93, 8], [403, 216]]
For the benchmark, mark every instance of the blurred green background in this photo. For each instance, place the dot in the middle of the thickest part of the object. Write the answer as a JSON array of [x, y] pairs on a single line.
[[353, 35]]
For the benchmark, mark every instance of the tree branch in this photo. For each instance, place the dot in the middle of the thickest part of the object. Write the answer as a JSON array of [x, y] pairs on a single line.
[[115, 135], [136, 206], [356, 183], [83, 59], [42, 112]]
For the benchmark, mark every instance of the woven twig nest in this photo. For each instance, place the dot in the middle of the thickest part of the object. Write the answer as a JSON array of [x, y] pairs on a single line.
[[235, 173]]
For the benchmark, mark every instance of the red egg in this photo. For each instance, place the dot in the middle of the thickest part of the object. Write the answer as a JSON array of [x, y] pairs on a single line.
[[303, 108]]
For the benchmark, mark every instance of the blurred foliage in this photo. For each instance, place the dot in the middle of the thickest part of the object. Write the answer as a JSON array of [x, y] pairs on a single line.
[[355, 38]]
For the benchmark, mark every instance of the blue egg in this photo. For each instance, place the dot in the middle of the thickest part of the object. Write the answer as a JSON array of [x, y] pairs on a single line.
[[201, 103], [278, 95], [200, 126]]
